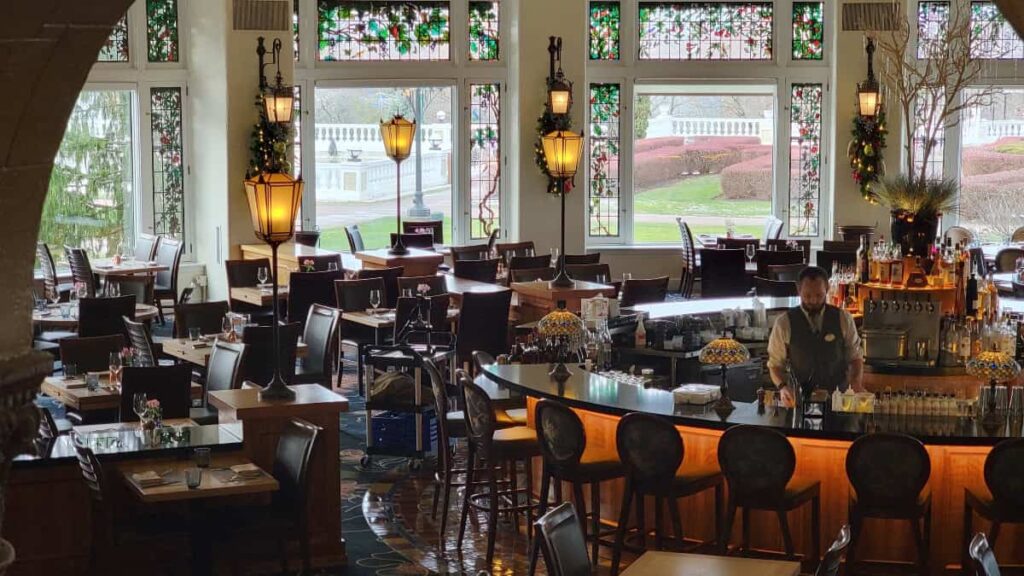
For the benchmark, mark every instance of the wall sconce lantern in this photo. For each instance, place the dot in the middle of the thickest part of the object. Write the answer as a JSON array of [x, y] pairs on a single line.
[[559, 89], [869, 96], [279, 99]]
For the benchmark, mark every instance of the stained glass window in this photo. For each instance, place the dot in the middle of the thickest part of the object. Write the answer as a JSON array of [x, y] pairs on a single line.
[[295, 28], [168, 168], [484, 158], [483, 30], [605, 19], [805, 163], [297, 131], [706, 31], [604, 159], [932, 23], [992, 37], [162, 30], [808, 31], [116, 47], [383, 30]]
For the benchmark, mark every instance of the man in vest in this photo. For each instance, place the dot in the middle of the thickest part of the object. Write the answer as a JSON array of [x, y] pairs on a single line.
[[817, 341]]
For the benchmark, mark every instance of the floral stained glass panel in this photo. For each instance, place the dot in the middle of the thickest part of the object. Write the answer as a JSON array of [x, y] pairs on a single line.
[[808, 31], [706, 31], [295, 28], [115, 49], [932, 23], [484, 26], [168, 167], [992, 37], [605, 19], [805, 161], [162, 30], [484, 158], [604, 159], [383, 30]]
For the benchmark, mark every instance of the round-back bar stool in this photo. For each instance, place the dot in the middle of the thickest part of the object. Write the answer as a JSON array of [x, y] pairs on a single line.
[[651, 450], [1004, 478], [515, 404], [889, 474], [563, 444], [491, 447], [758, 465]]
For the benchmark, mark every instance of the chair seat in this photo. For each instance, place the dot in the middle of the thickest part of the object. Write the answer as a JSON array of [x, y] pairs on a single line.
[[597, 466], [915, 510], [457, 422], [516, 442], [517, 415], [800, 490], [987, 507]]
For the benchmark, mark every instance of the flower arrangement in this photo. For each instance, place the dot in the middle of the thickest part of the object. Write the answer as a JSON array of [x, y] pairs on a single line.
[[152, 415], [422, 289], [308, 265]]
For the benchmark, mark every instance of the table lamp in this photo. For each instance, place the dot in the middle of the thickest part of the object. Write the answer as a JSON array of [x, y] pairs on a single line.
[[993, 366], [725, 352], [564, 326], [398, 134]]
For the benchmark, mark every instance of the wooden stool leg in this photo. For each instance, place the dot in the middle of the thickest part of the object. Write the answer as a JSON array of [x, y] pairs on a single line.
[[745, 541], [444, 501], [993, 533], [719, 509], [641, 526], [545, 485], [513, 474], [787, 537], [470, 465], [965, 559], [595, 520], [658, 521], [677, 523], [492, 516], [528, 468], [927, 540], [620, 531], [581, 507], [816, 529], [915, 526], [726, 533]]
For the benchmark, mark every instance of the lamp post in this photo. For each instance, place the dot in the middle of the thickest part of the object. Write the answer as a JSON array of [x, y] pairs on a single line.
[[725, 352], [274, 201], [562, 151], [398, 135], [278, 100], [869, 97]]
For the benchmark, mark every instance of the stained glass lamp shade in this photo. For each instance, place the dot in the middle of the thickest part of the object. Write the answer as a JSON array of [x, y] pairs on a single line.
[[564, 327], [994, 367], [724, 352]]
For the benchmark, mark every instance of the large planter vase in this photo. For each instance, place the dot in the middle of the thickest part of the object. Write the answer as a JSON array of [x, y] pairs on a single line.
[[912, 233]]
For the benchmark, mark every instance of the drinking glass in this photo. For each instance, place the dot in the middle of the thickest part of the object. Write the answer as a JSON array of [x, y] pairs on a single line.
[[202, 457], [261, 275], [406, 292], [554, 257], [53, 296], [65, 310], [115, 368], [602, 279], [193, 477], [194, 334], [375, 300], [626, 276], [70, 371], [139, 401], [226, 326], [332, 266], [750, 252]]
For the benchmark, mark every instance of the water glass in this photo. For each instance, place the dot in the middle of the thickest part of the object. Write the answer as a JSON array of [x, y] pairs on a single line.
[[226, 326], [332, 266], [193, 477], [202, 457], [115, 366], [139, 404], [70, 371], [194, 334], [92, 381], [554, 257], [65, 310]]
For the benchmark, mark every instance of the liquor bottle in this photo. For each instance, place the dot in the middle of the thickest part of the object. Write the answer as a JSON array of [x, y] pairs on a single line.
[[972, 296], [863, 261], [640, 336], [897, 267], [873, 268], [964, 346], [884, 266]]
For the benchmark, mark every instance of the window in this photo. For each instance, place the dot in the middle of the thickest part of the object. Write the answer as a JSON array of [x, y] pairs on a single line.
[[604, 30], [808, 31], [992, 36], [604, 160], [484, 159], [932, 22], [926, 128], [483, 30], [162, 30], [705, 31], [116, 47], [805, 160], [168, 170], [383, 30]]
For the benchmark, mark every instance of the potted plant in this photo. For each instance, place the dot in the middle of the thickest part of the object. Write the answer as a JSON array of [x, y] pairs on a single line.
[[915, 207]]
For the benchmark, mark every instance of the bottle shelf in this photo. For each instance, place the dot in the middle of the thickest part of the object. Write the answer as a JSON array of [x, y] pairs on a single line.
[[893, 288]]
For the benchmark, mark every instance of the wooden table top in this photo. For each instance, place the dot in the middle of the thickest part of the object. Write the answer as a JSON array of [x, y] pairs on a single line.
[[291, 253], [74, 394], [678, 564], [51, 318], [183, 349], [258, 296], [545, 290], [381, 256], [384, 319], [218, 480], [246, 402], [106, 267], [456, 285]]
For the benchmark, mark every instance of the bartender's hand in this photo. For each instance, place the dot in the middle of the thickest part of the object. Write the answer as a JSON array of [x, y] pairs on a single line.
[[787, 398]]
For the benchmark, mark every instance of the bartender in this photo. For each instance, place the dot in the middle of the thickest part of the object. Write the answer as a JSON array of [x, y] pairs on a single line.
[[818, 342]]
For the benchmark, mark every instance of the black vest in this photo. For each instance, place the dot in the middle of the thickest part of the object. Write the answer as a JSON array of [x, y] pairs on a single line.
[[818, 360]]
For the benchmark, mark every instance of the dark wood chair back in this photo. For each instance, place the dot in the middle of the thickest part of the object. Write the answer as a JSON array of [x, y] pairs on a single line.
[[482, 359], [738, 243], [354, 295], [1004, 473], [480, 418], [785, 272], [689, 271], [472, 252], [479, 270], [589, 272], [413, 240], [1018, 235], [1006, 259], [780, 245], [437, 316], [308, 288], [224, 368], [258, 366], [774, 288], [581, 259], [723, 273], [529, 262], [757, 463], [532, 274], [644, 290], [309, 238], [650, 454], [295, 446], [207, 316], [436, 283], [92, 473], [390, 277], [492, 239], [244, 273], [508, 250], [888, 471], [90, 354], [433, 227], [826, 258], [49, 269], [766, 258], [319, 335], [483, 323], [146, 246], [441, 409], [561, 436], [103, 316], [982, 556], [562, 541], [834, 555], [959, 235], [47, 429], [81, 269], [355, 239], [171, 385], [168, 253], [977, 255], [840, 246], [139, 338]]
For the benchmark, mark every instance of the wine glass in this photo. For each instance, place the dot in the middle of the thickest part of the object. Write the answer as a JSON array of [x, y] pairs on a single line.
[[261, 276], [115, 369], [226, 326], [554, 257], [332, 266], [139, 401], [73, 299], [375, 300], [53, 295], [750, 252]]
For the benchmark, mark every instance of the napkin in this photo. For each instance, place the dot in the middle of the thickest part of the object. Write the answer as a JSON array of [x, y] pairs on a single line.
[[74, 383], [200, 344], [147, 479], [247, 470]]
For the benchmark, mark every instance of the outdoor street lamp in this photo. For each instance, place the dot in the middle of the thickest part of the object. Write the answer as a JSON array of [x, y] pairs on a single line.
[[562, 151], [869, 96], [398, 135], [278, 100]]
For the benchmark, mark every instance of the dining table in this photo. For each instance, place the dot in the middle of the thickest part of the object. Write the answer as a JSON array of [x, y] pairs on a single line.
[[108, 267], [682, 564], [198, 353], [258, 295], [73, 393], [52, 317]]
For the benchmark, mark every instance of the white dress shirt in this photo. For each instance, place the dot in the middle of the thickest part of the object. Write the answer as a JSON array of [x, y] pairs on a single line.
[[778, 341]]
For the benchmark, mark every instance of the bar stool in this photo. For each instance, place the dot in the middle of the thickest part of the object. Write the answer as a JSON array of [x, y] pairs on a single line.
[[491, 447], [563, 444], [514, 405], [889, 474], [1004, 478], [758, 465], [651, 451]]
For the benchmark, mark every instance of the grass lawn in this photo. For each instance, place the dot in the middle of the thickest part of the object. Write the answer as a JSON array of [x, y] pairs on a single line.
[[697, 196], [668, 232], [376, 234]]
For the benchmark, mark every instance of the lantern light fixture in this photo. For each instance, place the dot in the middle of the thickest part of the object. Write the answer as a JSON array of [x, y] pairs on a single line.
[[279, 99], [559, 89], [398, 135], [562, 152], [869, 94]]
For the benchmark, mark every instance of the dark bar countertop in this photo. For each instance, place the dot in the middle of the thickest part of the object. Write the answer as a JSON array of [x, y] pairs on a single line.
[[595, 393]]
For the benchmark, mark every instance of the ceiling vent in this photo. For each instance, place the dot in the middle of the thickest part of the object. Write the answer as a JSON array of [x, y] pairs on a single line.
[[268, 15], [870, 16]]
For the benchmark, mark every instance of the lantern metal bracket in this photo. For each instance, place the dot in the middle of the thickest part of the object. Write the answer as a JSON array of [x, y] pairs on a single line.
[[261, 52]]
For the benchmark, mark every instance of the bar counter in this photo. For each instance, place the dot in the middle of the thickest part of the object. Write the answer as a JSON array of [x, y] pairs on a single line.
[[957, 450]]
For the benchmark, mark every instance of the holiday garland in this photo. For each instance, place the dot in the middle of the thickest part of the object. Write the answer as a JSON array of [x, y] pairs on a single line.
[[269, 145], [547, 123], [865, 152]]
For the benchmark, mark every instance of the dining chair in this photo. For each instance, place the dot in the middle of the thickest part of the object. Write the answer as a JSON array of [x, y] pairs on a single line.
[[775, 288], [840, 246], [959, 235], [90, 354], [390, 277], [433, 227], [532, 274], [223, 372], [492, 240], [244, 274], [978, 261], [825, 259], [309, 238], [471, 252], [354, 296], [723, 273], [319, 334], [146, 246], [479, 270], [103, 316], [772, 229], [690, 270], [1017, 236], [643, 290], [565, 550], [436, 283], [50, 282], [589, 272], [834, 555], [47, 429], [170, 384], [437, 315], [782, 245], [140, 339], [483, 324], [81, 269], [165, 284], [529, 262], [581, 259], [415, 240], [785, 272], [140, 285], [507, 250], [983, 559], [308, 288], [355, 239], [766, 258], [1006, 259], [207, 316], [258, 366]]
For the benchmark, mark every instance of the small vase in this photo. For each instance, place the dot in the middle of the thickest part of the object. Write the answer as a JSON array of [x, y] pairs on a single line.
[[147, 424]]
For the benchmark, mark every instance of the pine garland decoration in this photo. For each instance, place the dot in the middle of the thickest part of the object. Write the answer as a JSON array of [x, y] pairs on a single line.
[[269, 145], [865, 152]]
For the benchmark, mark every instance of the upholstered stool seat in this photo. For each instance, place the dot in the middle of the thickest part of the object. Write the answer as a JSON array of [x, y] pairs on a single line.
[[457, 422]]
